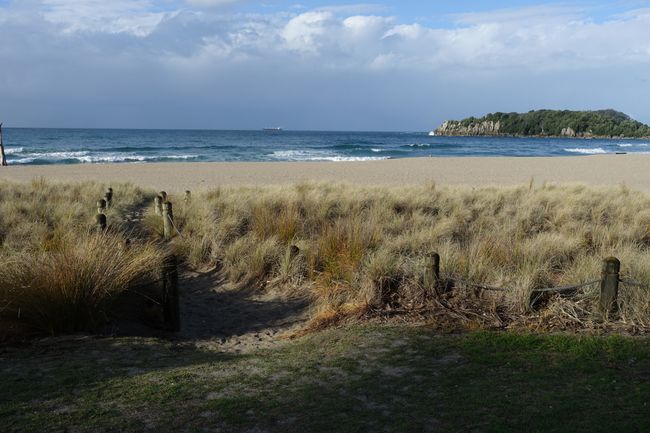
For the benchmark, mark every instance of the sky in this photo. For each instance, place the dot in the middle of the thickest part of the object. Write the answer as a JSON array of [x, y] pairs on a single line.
[[315, 65]]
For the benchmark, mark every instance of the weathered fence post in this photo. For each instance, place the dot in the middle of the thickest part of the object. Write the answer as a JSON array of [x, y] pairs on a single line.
[[3, 158], [168, 220], [163, 195], [157, 203], [609, 284], [109, 197], [432, 274], [171, 310], [101, 206], [100, 222]]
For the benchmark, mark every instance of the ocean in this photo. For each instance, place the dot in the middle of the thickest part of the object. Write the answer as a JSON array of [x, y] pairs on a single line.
[[75, 146]]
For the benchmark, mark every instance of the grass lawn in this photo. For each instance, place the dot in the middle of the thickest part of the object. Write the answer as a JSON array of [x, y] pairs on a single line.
[[357, 379]]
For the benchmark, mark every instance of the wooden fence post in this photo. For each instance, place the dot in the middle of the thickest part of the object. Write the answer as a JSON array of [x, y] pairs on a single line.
[[163, 195], [171, 310], [3, 158], [157, 203], [432, 274], [168, 220], [109, 197], [101, 206], [609, 284], [100, 222]]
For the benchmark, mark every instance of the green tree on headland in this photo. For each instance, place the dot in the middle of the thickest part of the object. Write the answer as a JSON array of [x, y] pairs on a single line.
[[601, 123]]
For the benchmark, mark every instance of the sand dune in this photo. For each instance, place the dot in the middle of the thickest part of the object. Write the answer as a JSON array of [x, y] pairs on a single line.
[[631, 170]]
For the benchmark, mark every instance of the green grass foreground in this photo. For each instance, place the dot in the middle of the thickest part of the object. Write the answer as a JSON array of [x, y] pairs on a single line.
[[357, 379]]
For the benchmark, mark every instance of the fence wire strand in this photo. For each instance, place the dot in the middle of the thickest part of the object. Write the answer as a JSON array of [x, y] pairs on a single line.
[[504, 289], [632, 282], [478, 286], [566, 288], [171, 220]]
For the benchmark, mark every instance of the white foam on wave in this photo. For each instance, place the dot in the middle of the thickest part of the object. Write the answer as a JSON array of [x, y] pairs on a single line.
[[320, 155], [86, 157], [56, 155], [625, 145], [419, 145], [23, 161], [30, 157], [13, 150], [587, 151], [131, 158]]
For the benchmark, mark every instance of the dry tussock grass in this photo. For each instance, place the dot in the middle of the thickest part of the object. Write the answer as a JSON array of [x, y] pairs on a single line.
[[70, 288], [58, 274], [366, 248]]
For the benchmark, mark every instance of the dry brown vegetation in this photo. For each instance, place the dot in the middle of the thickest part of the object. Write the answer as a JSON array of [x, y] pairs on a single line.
[[359, 250], [366, 249], [58, 273]]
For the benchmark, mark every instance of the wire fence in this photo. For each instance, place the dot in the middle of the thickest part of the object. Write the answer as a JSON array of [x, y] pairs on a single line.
[[171, 220], [539, 290], [609, 280], [567, 288]]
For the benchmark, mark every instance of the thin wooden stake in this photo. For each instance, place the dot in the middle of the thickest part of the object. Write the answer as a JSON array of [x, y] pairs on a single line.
[[609, 284], [432, 275], [171, 310], [109, 197], [168, 220], [3, 158], [100, 222], [158, 203]]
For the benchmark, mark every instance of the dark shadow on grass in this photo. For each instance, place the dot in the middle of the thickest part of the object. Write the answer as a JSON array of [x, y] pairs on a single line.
[[56, 366], [207, 312]]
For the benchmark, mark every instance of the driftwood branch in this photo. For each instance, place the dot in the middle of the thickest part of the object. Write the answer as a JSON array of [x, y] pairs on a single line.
[[3, 158]]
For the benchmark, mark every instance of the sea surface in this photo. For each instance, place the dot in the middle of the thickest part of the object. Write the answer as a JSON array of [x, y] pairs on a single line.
[[77, 146]]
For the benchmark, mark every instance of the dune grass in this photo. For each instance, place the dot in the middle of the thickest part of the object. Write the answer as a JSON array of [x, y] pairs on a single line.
[[59, 274], [352, 250], [366, 248]]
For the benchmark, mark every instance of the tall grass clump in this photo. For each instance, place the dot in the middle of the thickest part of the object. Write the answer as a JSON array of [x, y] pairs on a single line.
[[71, 288], [362, 248], [58, 273]]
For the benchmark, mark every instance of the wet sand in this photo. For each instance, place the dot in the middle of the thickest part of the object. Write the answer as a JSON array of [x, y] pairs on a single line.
[[632, 170]]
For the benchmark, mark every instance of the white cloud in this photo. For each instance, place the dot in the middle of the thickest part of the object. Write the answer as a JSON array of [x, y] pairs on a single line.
[[212, 3], [137, 50], [556, 37], [308, 31], [115, 16]]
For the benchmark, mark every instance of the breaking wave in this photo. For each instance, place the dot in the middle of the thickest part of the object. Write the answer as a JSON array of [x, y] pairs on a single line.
[[586, 151], [319, 155], [89, 158]]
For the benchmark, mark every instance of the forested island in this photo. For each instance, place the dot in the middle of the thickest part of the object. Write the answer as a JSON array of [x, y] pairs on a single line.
[[549, 123]]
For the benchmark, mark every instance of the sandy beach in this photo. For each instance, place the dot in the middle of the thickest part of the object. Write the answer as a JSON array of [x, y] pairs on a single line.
[[630, 170]]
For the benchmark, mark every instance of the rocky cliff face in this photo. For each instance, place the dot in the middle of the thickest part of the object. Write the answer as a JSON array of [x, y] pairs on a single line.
[[490, 128], [452, 127]]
